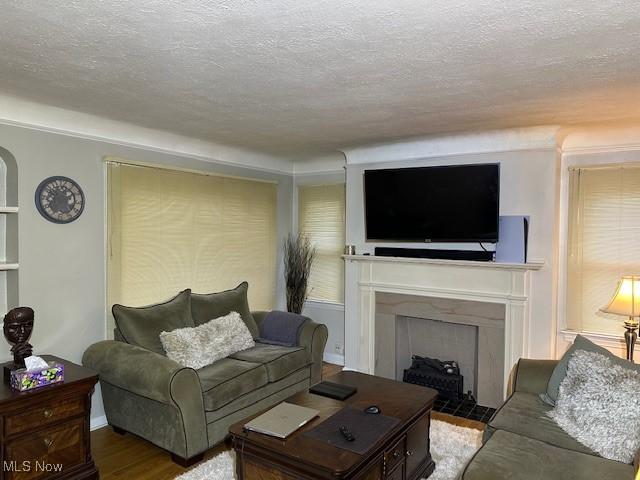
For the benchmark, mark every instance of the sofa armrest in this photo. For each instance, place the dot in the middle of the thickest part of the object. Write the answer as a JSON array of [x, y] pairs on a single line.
[[141, 371], [313, 336], [532, 376]]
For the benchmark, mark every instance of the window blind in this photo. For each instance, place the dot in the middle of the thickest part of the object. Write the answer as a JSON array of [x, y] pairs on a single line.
[[321, 217], [169, 230], [603, 243]]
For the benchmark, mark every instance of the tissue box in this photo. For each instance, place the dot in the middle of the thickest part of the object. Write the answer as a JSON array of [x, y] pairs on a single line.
[[23, 379]]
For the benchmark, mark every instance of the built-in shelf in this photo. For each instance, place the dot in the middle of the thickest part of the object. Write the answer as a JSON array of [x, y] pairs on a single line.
[[9, 285]]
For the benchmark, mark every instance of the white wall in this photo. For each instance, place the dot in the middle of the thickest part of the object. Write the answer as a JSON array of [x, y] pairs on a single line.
[[62, 267], [332, 315], [528, 186]]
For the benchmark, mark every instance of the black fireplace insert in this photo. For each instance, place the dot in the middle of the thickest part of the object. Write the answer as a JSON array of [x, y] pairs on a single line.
[[442, 376]]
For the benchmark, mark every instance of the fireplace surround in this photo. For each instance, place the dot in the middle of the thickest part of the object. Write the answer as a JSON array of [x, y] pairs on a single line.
[[489, 286], [469, 332]]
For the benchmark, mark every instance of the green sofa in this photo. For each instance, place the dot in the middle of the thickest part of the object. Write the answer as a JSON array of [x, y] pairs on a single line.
[[522, 443], [187, 411]]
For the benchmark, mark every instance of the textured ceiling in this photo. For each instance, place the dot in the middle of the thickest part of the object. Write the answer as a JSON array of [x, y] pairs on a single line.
[[298, 76]]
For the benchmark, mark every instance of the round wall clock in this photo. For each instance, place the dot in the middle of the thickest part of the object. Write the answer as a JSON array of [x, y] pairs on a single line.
[[59, 199]]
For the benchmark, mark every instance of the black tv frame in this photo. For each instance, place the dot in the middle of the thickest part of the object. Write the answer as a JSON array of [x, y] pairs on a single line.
[[429, 241]]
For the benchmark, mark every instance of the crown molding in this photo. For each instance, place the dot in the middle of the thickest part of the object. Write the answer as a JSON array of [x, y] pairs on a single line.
[[332, 163], [16, 112], [497, 141], [605, 138], [594, 149]]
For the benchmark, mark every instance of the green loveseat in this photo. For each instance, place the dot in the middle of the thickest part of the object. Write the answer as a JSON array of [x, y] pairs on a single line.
[[522, 443], [187, 411]]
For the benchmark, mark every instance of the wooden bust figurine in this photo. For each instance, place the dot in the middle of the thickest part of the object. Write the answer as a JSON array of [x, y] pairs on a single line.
[[18, 325]]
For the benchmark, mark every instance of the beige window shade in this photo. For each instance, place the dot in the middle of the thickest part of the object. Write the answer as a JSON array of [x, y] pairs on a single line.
[[604, 242], [169, 230], [321, 213]]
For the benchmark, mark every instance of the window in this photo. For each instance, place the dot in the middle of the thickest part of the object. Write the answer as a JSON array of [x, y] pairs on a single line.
[[604, 242], [321, 218], [169, 230]]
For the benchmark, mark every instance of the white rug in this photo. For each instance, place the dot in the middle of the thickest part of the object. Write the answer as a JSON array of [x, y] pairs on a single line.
[[451, 449]]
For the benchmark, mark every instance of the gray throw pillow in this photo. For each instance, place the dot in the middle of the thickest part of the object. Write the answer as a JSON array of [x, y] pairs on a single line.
[[206, 306], [597, 405], [558, 374], [141, 326], [197, 347]]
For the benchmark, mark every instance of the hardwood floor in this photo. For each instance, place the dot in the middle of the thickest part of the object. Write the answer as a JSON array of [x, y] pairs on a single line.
[[132, 458]]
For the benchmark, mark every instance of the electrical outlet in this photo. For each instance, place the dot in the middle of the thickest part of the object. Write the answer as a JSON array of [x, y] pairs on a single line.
[[339, 349]]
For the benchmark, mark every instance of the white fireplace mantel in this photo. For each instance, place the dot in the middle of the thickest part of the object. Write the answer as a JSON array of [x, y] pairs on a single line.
[[503, 283]]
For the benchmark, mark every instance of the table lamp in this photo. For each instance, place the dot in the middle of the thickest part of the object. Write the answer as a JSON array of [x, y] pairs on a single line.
[[626, 301]]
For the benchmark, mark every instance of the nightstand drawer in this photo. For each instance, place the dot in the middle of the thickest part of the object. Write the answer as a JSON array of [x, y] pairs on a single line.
[[51, 450], [43, 415]]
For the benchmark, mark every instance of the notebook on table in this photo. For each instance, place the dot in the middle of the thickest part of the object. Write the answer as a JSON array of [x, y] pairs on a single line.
[[282, 420], [337, 391]]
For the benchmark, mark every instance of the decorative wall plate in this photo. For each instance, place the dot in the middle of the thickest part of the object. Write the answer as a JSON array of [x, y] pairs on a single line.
[[59, 199]]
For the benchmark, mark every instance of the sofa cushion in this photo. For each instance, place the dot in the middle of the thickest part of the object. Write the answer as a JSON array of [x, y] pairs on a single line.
[[207, 306], [526, 414], [597, 405], [199, 346], [142, 326], [225, 380], [507, 456], [558, 374], [279, 361]]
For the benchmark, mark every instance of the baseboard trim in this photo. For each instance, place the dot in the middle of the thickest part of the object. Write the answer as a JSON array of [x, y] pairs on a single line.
[[98, 422], [334, 358]]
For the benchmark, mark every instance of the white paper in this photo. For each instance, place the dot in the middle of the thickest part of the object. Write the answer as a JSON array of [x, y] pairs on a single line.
[[35, 363]]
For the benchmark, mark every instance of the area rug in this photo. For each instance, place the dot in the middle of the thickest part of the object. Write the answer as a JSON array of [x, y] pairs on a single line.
[[451, 448]]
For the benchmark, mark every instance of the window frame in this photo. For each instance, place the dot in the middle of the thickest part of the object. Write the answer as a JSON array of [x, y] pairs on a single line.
[[333, 179], [569, 161], [204, 169]]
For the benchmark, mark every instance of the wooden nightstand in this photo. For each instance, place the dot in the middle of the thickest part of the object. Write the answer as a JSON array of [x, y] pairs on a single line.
[[45, 432]]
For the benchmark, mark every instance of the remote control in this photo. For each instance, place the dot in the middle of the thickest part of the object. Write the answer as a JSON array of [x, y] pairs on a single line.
[[346, 433]]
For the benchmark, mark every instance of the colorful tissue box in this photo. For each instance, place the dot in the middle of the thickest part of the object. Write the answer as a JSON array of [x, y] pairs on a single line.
[[23, 379]]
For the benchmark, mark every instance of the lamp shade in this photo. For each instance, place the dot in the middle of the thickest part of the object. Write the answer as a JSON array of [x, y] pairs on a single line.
[[626, 300]]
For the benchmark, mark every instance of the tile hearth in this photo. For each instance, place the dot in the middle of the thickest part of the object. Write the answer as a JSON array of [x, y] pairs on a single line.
[[467, 408]]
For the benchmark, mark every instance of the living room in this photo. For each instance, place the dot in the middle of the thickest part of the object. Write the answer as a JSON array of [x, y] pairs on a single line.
[[198, 137]]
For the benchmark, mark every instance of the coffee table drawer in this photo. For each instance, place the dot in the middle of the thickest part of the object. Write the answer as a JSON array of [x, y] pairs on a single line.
[[43, 415], [397, 474], [394, 455], [417, 445]]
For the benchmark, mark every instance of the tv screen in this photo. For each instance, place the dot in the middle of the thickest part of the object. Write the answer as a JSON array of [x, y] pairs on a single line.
[[457, 203]]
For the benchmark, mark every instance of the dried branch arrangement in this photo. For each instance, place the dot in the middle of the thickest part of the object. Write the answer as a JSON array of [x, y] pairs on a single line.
[[298, 258]]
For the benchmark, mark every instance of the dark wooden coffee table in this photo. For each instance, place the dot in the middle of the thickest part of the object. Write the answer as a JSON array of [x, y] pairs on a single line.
[[403, 453]]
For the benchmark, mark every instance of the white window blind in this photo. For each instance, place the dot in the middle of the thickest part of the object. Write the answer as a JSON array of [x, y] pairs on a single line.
[[604, 242], [169, 230], [321, 213]]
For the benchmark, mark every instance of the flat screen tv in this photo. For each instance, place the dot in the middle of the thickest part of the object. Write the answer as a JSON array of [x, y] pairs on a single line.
[[456, 203]]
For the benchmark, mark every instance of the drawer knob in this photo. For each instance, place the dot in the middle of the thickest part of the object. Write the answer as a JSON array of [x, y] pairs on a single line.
[[48, 442], [409, 453], [396, 454], [48, 413]]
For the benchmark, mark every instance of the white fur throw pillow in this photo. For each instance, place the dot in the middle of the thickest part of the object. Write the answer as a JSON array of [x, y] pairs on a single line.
[[598, 406], [197, 347]]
